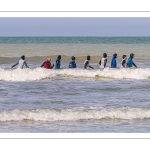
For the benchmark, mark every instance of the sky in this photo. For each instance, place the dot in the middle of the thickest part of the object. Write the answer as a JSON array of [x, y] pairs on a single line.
[[74, 26]]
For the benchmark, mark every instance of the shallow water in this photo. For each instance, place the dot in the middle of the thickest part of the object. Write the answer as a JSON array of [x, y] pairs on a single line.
[[78, 100], [75, 106]]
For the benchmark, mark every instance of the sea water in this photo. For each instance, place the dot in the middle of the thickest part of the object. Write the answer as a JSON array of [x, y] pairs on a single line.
[[74, 100]]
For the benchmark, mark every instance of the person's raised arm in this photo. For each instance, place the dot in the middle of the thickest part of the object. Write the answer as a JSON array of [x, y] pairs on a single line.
[[26, 65], [51, 66], [42, 65], [134, 64], [91, 67], [15, 65]]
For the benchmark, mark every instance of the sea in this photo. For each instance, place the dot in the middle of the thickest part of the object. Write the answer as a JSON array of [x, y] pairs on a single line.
[[38, 100]]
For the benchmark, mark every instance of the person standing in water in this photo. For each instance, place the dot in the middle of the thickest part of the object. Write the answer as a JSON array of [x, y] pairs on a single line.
[[123, 63], [72, 63], [87, 64], [57, 62], [113, 61], [47, 64], [21, 63], [130, 62], [103, 61]]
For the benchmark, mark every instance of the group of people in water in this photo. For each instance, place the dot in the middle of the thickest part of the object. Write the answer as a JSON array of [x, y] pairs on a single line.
[[126, 63]]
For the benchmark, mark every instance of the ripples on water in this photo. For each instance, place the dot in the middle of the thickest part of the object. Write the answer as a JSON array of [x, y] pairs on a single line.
[[76, 94], [66, 101]]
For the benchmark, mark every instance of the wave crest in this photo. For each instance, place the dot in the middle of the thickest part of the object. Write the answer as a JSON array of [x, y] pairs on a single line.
[[41, 73], [75, 114]]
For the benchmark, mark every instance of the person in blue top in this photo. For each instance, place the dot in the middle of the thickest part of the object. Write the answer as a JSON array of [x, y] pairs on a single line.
[[72, 63], [130, 62], [113, 61], [57, 62]]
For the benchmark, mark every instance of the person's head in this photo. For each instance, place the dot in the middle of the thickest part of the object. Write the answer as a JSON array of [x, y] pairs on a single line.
[[59, 56], [132, 55], [124, 57], [115, 55], [104, 55], [23, 57], [88, 57], [73, 58], [48, 59]]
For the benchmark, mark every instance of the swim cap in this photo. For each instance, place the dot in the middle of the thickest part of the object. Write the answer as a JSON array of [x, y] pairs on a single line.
[[88, 57], [104, 55], [131, 55], [115, 55], [59, 56], [73, 58], [23, 57]]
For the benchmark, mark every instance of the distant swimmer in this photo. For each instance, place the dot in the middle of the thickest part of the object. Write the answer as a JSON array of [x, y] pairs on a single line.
[[87, 64], [21, 63], [47, 64], [113, 61], [123, 63], [103, 61], [130, 62], [72, 63], [57, 62]]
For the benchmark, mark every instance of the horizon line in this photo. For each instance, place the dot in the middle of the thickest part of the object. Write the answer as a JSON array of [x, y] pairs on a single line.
[[76, 36]]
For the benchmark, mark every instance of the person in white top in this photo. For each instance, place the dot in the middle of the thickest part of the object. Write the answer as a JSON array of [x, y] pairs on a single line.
[[21, 63], [103, 61], [87, 64], [123, 63]]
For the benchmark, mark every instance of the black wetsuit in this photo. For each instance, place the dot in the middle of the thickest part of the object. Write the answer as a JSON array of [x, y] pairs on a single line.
[[86, 65], [123, 63]]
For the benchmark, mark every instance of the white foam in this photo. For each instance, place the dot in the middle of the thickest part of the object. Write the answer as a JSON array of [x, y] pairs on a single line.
[[75, 114], [41, 73], [25, 74]]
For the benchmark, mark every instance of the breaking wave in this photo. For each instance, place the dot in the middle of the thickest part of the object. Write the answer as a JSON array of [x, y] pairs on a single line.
[[75, 114], [41, 73]]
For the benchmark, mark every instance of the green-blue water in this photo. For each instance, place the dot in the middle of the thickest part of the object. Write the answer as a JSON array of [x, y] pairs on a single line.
[[75, 40], [78, 100]]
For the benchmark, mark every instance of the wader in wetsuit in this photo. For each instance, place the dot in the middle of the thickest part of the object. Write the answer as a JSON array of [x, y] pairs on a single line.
[[87, 64], [21, 63], [103, 61], [130, 62], [72, 63]]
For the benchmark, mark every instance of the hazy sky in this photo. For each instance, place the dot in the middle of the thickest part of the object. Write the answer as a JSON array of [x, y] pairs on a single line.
[[74, 26]]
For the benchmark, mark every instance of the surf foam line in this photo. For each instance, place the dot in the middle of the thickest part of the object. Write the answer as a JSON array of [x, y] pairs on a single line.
[[41, 73], [75, 114]]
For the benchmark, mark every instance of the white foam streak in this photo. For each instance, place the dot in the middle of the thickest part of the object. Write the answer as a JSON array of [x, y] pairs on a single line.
[[25, 74], [75, 114], [40, 73]]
